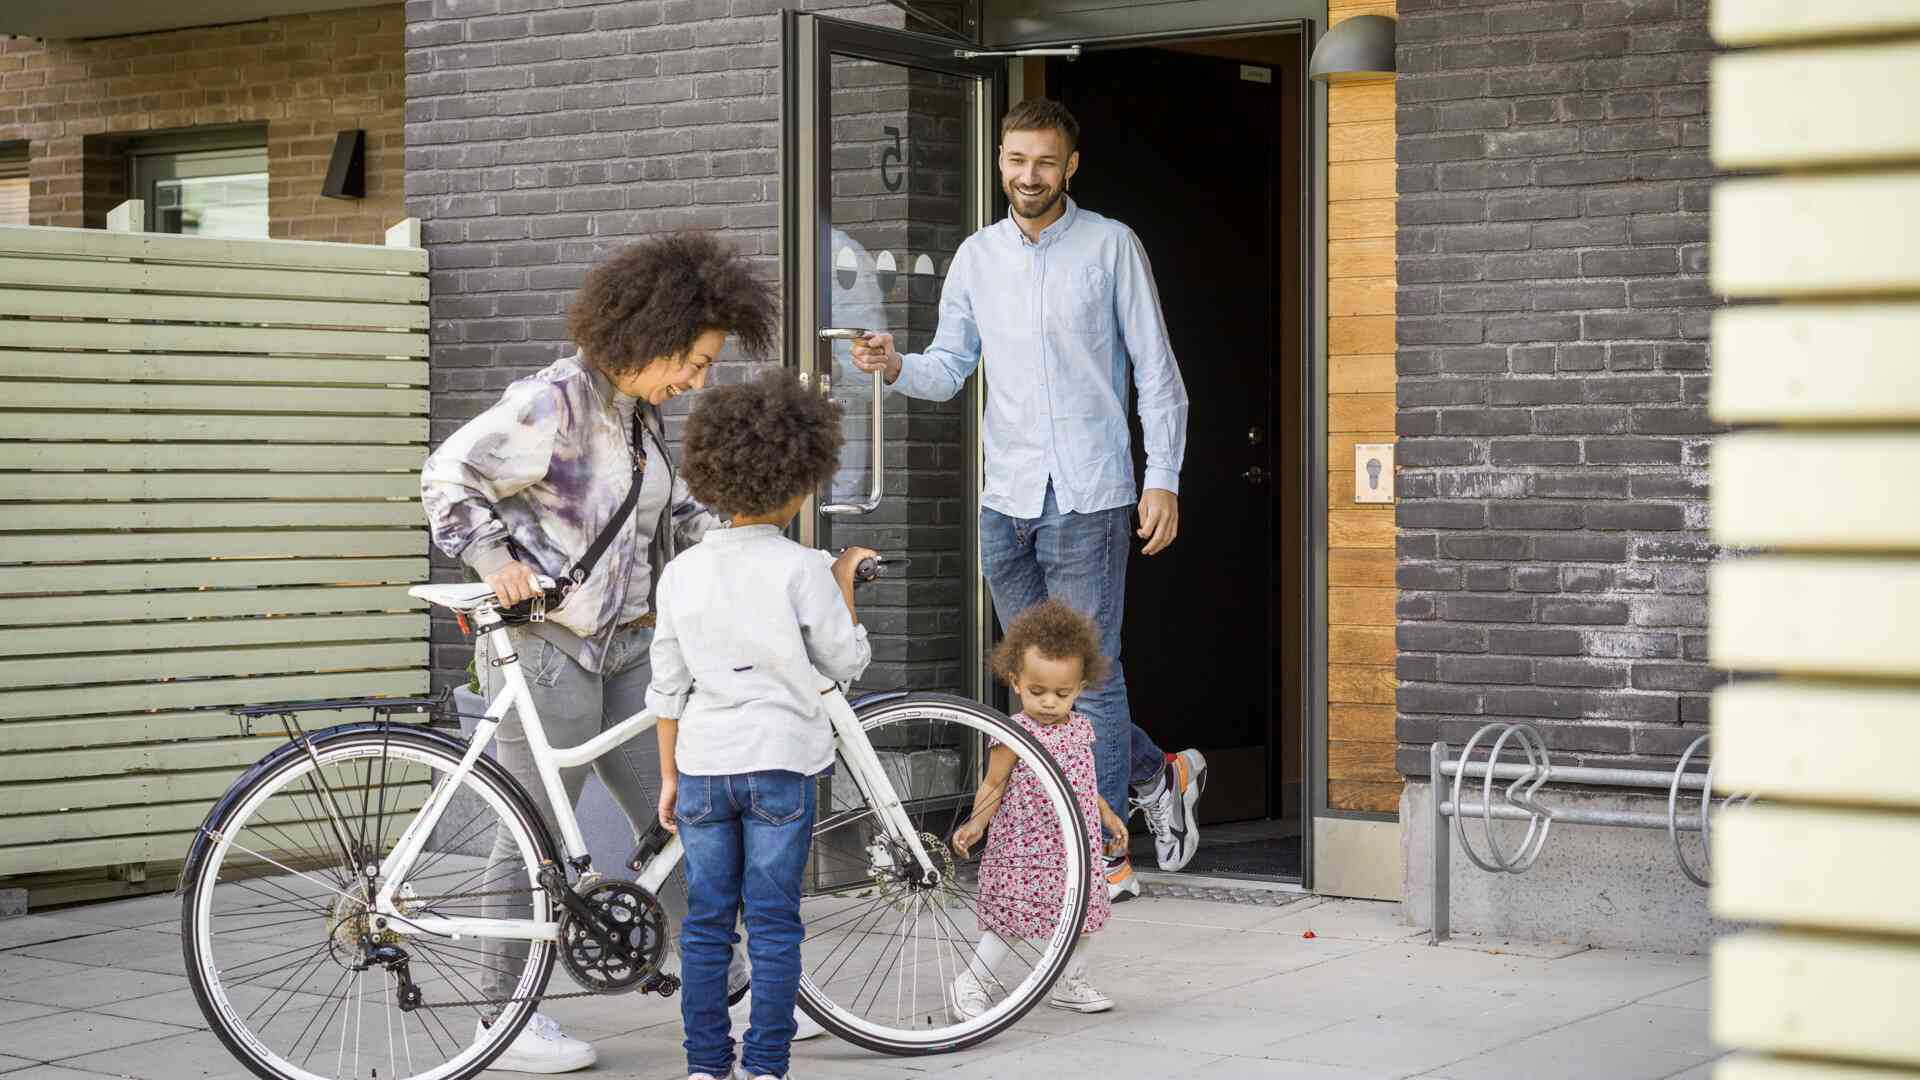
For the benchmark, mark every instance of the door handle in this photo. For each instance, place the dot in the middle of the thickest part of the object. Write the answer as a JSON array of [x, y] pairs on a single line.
[[879, 468], [1255, 475]]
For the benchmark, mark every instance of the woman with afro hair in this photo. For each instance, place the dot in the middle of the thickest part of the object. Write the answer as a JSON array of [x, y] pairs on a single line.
[[526, 487]]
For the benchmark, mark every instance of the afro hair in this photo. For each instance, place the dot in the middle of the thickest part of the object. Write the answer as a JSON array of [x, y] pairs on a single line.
[[752, 447], [657, 297], [1059, 633]]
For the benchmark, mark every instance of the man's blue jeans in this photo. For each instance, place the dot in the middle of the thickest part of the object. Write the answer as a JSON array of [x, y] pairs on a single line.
[[1081, 559], [746, 838]]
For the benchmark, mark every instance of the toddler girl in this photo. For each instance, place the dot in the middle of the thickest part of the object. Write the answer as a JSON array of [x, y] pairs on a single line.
[[1050, 655]]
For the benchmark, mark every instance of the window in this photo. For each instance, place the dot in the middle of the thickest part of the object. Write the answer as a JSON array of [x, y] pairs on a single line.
[[203, 184], [13, 183]]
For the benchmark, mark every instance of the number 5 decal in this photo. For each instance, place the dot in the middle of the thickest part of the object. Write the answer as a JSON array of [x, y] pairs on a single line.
[[894, 155]]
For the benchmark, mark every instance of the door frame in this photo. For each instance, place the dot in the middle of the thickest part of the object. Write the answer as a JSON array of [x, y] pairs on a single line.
[[1109, 29], [1307, 20], [805, 152]]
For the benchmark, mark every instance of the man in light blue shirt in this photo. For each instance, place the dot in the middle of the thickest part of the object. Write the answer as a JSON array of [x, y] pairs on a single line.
[[1062, 304]]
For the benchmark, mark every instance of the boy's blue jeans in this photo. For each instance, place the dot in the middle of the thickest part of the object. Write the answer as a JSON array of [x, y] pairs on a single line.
[[746, 838], [1082, 560]]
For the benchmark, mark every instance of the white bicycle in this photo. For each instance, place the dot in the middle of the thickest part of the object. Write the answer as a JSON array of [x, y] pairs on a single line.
[[332, 903]]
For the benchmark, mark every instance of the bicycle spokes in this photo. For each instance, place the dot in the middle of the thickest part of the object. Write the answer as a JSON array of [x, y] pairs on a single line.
[[297, 966], [885, 941]]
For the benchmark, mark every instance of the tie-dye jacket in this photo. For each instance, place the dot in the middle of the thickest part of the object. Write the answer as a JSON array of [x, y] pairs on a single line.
[[552, 458]]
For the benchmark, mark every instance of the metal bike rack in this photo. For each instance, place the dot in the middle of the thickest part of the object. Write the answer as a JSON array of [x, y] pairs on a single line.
[[1519, 801]]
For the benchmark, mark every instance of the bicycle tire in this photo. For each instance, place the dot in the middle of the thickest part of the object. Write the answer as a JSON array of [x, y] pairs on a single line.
[[841, 1021], [273, 776]]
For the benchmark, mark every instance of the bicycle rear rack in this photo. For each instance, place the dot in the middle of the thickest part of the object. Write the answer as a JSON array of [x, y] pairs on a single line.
[[439, 705], [1519, 801]]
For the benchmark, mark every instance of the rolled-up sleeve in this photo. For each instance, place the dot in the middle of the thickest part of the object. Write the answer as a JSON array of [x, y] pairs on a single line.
[[1161, 392], [672, 681], [836, 645], [501, 452]]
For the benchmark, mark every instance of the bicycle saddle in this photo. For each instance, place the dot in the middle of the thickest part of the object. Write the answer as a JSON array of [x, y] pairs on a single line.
[[462, 597]]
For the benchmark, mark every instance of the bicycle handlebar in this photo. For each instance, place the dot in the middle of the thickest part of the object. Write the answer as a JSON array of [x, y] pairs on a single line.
[[868, 569]]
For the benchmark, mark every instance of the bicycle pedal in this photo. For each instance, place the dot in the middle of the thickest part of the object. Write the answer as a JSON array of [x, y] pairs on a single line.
[[664, 985]]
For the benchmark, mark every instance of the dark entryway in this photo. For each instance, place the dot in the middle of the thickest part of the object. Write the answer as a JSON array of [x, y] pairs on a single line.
[[1196, 147]]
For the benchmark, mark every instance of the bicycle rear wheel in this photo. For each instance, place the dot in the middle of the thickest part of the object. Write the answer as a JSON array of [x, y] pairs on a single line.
[[292, 971], [882, 951]]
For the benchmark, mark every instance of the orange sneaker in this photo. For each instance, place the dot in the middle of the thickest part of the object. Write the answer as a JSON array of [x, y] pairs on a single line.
[[1121, 884]]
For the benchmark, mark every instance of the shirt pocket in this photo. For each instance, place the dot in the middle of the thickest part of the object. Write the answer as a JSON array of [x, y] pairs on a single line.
[[1083, 302]]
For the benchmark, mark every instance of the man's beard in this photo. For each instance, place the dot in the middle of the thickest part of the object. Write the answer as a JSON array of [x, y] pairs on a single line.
[[1047, 200]]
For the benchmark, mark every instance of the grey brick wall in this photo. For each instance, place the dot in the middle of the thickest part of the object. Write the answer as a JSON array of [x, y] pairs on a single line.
[[1553, 315], [543, 135]]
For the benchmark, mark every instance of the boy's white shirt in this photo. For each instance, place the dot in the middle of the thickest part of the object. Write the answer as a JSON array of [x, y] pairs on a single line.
[[752, 630]]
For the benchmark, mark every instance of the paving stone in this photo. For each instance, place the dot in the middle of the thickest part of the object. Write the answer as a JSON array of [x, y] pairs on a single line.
[[57, 1036], [76, 986], [195, 1056]]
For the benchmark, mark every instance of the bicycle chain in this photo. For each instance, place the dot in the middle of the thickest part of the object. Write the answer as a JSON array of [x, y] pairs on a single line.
[[477, 1002]]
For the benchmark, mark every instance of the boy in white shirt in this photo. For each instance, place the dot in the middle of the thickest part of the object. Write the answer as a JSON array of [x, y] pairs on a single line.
[[752, 628]]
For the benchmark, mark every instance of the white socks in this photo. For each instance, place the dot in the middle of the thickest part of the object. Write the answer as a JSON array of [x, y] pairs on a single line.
[[987, 956], [1082, 953], [993, 949]]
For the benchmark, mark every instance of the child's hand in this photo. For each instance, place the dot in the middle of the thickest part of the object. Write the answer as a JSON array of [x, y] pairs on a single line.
[[1116, 829], [848, 562], [669, 797], [968, 835]]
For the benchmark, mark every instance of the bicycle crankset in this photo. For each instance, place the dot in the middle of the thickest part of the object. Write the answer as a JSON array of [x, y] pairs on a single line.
[[624, 946]]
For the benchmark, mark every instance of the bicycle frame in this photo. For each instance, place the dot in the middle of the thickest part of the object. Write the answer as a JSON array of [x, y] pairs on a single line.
[[861, 759]]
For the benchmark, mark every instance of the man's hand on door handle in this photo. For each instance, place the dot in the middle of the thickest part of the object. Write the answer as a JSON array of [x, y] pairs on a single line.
[[877, 353]]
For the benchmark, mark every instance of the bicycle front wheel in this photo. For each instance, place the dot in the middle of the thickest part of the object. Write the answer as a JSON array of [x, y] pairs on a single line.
[[882, 951], [293, 971]]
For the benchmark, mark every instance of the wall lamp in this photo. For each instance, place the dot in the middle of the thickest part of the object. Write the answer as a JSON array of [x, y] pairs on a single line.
[[1357, 48]]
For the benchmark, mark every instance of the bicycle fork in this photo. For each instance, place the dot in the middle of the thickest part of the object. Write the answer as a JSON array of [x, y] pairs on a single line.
[[871, 777]]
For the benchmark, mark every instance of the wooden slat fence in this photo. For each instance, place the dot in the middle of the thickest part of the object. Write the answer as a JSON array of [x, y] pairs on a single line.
[[209, 496]]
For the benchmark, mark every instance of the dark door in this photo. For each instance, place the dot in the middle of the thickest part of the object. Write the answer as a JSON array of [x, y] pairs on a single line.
[[1185, 150]]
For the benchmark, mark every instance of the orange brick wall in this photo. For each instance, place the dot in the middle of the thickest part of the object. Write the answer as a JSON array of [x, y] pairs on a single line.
[[1360, 409], [305, 76]]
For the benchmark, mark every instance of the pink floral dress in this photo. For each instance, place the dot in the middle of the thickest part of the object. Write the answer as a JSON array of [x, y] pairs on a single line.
[[1020, 877]]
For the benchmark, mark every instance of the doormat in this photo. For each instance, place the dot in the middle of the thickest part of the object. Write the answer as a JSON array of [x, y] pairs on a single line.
[[1271, 857], [1277, 857]]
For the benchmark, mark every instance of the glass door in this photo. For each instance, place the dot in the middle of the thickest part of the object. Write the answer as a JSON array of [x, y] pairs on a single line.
[[888, 143]]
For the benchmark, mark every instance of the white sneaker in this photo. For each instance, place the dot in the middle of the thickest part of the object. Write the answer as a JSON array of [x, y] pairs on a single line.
[[1076, 994], [966, 998], [742, 1074], [1170, 809], [541, 1047], [1121, 884], [741, 1013]]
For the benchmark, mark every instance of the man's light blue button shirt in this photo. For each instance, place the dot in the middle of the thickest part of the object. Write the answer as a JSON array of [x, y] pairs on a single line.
[[1058, 321]]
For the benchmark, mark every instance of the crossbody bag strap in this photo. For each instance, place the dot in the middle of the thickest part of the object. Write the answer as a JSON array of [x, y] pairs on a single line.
[[618, 521]]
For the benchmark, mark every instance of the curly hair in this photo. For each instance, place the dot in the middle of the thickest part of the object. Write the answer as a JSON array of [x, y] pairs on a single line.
[[1059, 632], [658, 296], [751, 447]]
